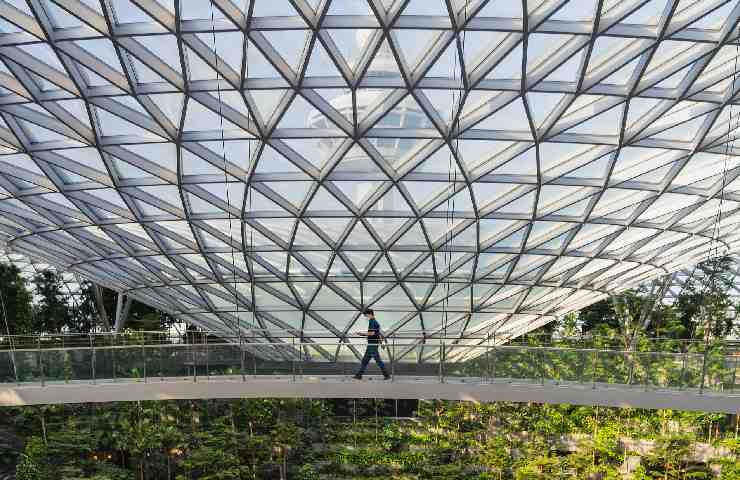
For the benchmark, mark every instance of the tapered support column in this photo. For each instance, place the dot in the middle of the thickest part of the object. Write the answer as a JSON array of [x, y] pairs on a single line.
[[123, 307], [102, 313]]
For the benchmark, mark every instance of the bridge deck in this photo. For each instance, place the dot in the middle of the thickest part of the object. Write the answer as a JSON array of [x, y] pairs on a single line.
[[340, 386], [703, 381]]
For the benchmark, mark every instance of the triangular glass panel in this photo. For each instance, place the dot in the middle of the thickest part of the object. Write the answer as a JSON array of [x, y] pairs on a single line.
[[290, 44]]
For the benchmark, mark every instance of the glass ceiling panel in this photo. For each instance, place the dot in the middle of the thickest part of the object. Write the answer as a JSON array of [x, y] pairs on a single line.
[[386, 157]]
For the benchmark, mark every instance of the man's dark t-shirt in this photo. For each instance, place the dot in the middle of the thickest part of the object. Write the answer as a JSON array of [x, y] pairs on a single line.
[[373, 327]]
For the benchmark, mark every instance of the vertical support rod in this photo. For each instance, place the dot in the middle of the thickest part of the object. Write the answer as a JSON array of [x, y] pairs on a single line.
[[241, 356], [41, 362], [92, 359], [542, 365], [441, 360], [493, 366], [195, 361], [254, 360], [392, 357], [143, 357], [113, 357], [593, 369], [208, 363], [704, 370]]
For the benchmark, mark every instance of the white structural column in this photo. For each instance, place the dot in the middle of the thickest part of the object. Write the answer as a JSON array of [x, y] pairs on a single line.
[[102, 312], [123, 307]]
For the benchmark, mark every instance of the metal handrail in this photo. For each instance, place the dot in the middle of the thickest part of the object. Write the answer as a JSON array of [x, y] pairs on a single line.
[[443, 360], [9, 342]]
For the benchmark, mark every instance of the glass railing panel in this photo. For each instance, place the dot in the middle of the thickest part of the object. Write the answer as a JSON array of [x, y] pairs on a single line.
[[562, 365], [153, 362], [517, 364], [81, 363], [28, 365], [176, 361], [224, 359], [8, 367], [609, 367], [407, 355], [276, 358], [318, 359], [466, 361], [349, 356], [57, 364], [718, 371], [663, 370], [129, 362], [691, 368]]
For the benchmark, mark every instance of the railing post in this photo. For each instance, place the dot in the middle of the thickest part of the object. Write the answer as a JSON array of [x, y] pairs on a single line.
[[195, 361], [254, 361], [493, 366], [207, 352], [293, 360], [113, 358], [704, 370], [143, 356], [392, 357], [92, 353], [683, 370], [241, 356], [646, 385], [441, 360], [542, 365], [41, 362], [487, 374], [593, 369]]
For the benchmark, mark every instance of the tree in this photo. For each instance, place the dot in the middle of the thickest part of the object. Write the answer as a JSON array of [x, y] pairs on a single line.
[[53, 312], [703, 302], [15, 301], [496, 454], [33, 461]]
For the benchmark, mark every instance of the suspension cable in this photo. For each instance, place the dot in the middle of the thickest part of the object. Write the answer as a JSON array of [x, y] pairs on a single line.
[[225, 166], [453, 170], [714, 245], [7, 331]]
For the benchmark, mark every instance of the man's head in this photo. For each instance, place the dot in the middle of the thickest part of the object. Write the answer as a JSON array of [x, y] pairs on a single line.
[[368, 312]]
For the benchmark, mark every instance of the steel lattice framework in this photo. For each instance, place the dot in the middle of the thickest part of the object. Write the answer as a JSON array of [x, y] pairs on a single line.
[[466, 166], [694, 278], [29, 268]]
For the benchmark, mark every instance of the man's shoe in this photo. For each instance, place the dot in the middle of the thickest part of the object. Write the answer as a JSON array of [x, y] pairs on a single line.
[[357, 377], [386, 377]]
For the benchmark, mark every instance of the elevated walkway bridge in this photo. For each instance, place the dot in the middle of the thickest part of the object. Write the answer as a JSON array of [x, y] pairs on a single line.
[[131, 367]]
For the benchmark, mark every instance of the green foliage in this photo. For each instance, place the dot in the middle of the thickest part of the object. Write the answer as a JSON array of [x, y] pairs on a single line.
[[15, 303], [53, 313], [33, 461], [263, 439]]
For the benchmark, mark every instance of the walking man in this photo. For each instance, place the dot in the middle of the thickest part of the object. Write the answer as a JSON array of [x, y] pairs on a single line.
[[374, 337]]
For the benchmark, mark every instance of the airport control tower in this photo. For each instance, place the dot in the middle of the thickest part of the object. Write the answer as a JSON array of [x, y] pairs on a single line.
[[406, 114]]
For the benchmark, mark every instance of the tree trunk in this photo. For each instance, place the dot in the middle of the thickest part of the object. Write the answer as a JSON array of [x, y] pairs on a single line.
[[43, 426], [254, 455]]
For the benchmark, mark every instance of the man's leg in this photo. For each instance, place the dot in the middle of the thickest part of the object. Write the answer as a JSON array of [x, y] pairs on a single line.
[[379, 361], [363, 364]]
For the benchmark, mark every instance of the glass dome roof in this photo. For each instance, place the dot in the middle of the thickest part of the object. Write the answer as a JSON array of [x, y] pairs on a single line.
[[29, 268], [460, 166]]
